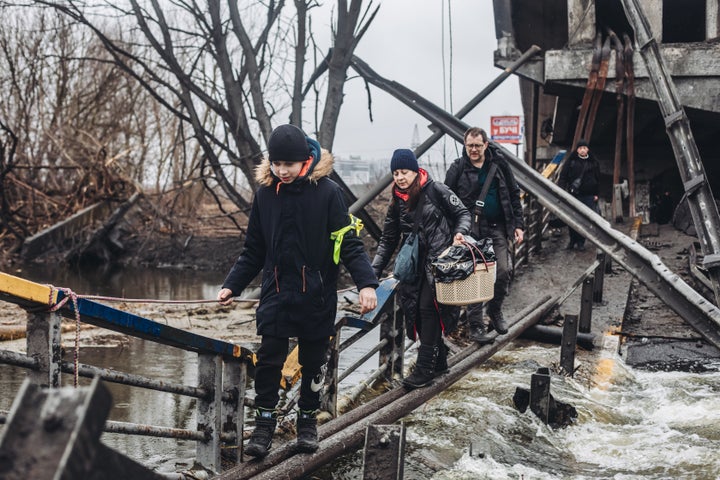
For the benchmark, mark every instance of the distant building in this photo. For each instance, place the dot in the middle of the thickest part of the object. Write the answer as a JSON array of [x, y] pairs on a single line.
[[354, 170]]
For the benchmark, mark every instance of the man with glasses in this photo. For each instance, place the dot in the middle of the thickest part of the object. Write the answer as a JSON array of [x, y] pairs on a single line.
[[498, 216]]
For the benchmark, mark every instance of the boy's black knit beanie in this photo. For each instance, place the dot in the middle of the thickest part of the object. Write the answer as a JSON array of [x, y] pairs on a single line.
[[287, 143]]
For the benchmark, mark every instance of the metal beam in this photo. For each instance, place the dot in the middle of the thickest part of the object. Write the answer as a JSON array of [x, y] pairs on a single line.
[[699, 196]]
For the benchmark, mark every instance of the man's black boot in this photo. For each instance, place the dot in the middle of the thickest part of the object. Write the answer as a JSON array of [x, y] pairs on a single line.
[[441, 364], [307, 437], [261, 439], [424, 371], [497, 318], [478, 333]]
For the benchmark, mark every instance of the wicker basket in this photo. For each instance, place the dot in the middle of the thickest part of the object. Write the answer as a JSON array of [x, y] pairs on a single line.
[[476, 288]]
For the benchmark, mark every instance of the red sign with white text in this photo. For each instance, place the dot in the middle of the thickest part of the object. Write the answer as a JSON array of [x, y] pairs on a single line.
[[506, 129]]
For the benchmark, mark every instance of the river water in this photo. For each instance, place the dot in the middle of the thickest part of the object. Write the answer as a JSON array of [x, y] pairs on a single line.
[[631, 424]]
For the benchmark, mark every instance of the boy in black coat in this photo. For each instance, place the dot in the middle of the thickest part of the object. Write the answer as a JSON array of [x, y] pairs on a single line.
[[290, 238]]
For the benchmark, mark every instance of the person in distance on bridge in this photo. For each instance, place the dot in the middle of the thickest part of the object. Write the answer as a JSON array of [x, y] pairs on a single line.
[[442, 220], [498, 216], [298, 231], [580, 176]]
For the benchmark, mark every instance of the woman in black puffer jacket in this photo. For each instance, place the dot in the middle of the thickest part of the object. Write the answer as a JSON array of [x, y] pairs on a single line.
[[444, 220]]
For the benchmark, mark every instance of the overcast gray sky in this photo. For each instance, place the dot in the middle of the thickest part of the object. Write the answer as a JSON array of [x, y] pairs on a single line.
[[441, 49]]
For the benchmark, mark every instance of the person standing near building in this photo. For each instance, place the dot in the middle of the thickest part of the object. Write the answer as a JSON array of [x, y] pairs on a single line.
[[498, 216], [293, 238], [580, 176], [420, 204]]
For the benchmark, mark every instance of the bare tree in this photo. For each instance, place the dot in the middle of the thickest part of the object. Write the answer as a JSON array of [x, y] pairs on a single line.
[[75, 128], [227, 69]]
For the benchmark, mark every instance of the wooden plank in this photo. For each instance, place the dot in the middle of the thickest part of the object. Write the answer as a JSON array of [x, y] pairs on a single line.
[[53, 433], [23, 291], [26, 293], [124, 322]]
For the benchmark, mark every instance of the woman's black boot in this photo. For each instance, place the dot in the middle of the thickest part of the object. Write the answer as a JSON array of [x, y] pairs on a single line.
[[424, 371], [441, 364]]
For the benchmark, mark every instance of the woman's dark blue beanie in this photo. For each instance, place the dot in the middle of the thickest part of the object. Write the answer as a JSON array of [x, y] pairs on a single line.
[[403, 159]]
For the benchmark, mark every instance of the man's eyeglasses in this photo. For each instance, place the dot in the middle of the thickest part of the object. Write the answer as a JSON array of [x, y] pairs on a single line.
[[474, 146]]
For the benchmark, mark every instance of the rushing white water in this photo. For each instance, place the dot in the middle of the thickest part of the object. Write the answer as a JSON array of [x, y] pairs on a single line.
[[631, 424]]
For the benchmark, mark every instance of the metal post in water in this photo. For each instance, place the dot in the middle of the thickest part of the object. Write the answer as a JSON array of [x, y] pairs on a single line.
[[569, 343], [540, 394]]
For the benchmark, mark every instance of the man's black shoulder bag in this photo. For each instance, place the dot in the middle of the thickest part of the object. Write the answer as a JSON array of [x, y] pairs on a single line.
[[480, 202]]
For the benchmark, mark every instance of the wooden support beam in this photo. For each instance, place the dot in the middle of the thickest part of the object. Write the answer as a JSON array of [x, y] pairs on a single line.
[[55, 433]]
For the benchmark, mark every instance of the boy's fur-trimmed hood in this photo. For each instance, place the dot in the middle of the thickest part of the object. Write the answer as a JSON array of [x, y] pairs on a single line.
[[265, 177]]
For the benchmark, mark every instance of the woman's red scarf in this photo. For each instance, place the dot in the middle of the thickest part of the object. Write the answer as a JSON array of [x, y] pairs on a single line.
[[402, 194]]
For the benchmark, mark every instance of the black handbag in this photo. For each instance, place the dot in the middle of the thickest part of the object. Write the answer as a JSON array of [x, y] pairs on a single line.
[[407, 260]]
